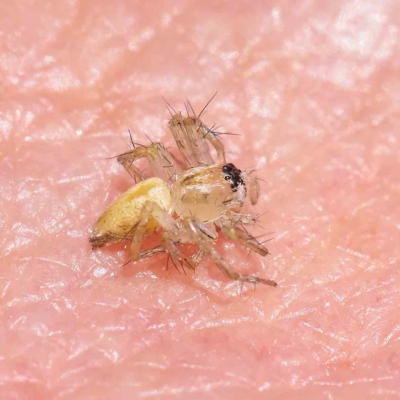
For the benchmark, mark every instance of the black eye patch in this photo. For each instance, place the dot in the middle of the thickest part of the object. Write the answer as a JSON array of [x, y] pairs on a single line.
[[228, 168], [234, 175]]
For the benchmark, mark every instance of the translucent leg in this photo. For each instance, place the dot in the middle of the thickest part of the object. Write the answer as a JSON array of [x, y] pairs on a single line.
[[213, 139], [172, 234], [207, 247], [176, 254], [151, 252], [161, 161], [191, 137], [244, 238]]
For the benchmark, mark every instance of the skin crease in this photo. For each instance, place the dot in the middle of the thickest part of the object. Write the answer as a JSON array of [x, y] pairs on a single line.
[[313, 89]]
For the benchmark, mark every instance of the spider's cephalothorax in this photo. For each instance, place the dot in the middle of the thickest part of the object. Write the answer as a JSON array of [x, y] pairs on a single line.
[[208, 192], [188, 199]]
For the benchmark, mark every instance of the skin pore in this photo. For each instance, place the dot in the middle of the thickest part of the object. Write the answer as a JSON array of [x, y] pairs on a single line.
[[312, 89]]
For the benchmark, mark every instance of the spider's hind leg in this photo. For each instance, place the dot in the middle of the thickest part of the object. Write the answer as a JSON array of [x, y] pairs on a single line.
[[171, 235]]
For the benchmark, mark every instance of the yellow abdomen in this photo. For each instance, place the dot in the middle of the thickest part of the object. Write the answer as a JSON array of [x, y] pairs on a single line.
[[119, 220]]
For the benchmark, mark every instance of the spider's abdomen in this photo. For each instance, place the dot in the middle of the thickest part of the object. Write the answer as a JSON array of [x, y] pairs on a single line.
[[208, 192], [119, 220]]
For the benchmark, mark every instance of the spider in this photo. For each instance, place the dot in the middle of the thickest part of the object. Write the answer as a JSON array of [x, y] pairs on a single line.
[[191, 200]]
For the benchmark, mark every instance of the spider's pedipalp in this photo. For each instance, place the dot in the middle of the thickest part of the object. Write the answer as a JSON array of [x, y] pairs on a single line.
[[253, 186]]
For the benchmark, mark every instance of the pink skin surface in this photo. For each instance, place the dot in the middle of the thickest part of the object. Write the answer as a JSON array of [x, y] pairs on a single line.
[[313, 89]]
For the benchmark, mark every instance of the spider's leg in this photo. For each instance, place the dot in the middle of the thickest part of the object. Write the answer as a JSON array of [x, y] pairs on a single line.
[[207, 247], [178, 130], [244, 238], [201, 133], [161, 161], [139, 233], [126, 161], [167, 243], [149, 210], [151, 252], [172, 234], [198, 256], [195, 136], [191, 137], [213, 139], [175, 253], [237, 218]]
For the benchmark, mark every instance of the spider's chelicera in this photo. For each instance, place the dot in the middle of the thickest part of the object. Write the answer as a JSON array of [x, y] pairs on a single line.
[[189, 200]]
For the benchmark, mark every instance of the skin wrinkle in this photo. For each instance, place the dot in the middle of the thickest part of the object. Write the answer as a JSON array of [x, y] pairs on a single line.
[[314, 88]]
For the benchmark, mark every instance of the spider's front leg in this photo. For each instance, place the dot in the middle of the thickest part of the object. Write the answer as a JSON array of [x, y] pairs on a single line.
[[160, 159], [191, 137], [196, 228], [213, 139]]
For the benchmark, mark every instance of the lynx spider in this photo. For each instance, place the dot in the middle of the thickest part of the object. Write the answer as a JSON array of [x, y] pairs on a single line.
[[191, 200]]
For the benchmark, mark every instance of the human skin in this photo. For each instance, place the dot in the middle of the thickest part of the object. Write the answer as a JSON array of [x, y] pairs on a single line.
[[313, 90]]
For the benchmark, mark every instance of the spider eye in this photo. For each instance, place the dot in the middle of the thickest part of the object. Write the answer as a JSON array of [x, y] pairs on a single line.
[[234, 175], [228, 168]]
